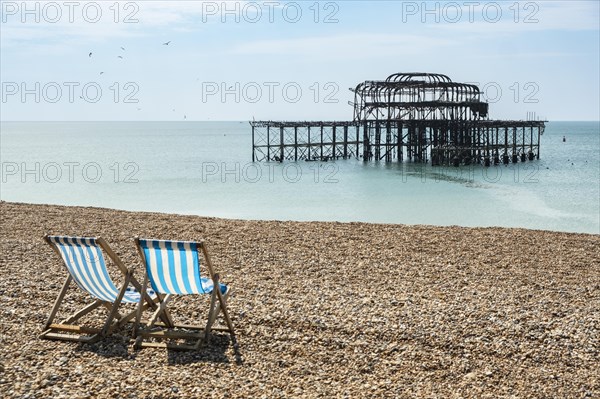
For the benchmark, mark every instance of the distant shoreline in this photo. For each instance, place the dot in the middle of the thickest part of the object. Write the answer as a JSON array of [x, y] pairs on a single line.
[[234, 219]]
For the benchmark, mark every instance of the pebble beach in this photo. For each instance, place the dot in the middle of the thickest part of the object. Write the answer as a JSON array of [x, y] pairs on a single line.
[[321, 309]]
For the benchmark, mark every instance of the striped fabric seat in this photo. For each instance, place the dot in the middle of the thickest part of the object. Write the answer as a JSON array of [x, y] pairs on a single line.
[[85, 261], [173, 267]]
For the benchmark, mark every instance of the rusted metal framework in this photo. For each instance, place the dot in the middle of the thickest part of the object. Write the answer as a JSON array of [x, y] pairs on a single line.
[[310, 141], [410, 96], [409, 116]]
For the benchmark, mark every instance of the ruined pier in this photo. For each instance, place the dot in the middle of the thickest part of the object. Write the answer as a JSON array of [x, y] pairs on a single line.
[[418, 117]]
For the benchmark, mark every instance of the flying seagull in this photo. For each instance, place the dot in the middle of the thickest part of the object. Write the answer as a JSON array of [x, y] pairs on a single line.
[[166, 43], [120, 56], [101, 73], [90, 55], [122, 48]]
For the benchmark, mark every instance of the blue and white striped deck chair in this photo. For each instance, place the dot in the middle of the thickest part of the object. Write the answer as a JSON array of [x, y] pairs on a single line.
[[84, 259], [173, 268]]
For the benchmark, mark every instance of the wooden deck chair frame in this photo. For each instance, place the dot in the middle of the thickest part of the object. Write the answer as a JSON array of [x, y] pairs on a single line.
[[167, 330], [67, 330]]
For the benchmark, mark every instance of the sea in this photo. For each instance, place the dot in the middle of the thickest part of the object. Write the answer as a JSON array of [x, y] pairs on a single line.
[[206, 168]]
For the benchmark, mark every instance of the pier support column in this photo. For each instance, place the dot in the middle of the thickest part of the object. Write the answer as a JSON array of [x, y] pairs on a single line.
[[253, 146], [321, 142], [333, 153], [358, 141], [268, 144], [345, 142], [295, 143], [281, 150], [366, 144]]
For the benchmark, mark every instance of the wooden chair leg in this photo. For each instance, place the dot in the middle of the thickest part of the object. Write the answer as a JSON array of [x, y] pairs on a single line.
[[140, 307], [115, 306], [223, 306], [58, 301], [161, 308], [215, 278], [212, 315]]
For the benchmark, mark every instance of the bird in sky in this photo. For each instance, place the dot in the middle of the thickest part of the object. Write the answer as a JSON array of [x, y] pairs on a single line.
[[166, 43], [101, 73], [184, 117], [122, 48], [90, 55], [120, 56]]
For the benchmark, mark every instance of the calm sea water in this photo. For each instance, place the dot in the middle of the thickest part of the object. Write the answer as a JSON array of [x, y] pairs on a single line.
[[204, 168]]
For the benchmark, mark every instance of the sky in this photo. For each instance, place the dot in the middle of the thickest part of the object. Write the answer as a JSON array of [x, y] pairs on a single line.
[[286, 60]]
